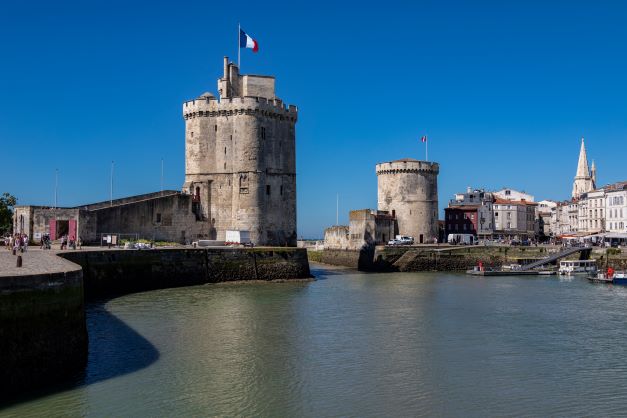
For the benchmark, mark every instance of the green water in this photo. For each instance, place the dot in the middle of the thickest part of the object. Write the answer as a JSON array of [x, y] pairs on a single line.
[[354, 344]]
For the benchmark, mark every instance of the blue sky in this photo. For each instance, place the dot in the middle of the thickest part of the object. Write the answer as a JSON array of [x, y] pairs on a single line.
[[504, 90]]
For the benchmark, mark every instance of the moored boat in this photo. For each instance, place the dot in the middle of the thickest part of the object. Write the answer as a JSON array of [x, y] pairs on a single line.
[[610, 277], [570, 267]]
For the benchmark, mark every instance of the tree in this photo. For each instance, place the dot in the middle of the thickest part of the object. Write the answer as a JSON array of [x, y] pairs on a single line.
[[7, 202]]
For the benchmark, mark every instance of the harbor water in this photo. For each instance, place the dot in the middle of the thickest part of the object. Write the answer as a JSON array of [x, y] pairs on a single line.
[[353, 344]]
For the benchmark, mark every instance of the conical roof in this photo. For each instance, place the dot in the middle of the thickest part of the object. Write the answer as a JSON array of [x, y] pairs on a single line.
[[582, 165]]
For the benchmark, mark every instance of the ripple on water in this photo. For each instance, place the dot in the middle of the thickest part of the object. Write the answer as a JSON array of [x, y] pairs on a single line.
[[355, 345]]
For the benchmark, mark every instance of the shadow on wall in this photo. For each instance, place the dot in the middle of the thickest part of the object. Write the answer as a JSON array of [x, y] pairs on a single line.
[[115, 349], [366, 252]]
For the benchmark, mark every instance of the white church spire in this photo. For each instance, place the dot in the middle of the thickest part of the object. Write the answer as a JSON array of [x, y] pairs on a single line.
[[583, 180], [582, 165]]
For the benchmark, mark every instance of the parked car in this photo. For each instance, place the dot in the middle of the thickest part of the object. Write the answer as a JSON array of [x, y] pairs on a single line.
[[405, 240], [394, 242]]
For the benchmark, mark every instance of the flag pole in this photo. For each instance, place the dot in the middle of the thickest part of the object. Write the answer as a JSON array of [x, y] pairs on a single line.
[[426, 148], [239, 30]]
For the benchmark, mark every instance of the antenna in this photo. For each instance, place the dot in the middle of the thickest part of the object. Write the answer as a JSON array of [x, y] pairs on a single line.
[[56, 186]]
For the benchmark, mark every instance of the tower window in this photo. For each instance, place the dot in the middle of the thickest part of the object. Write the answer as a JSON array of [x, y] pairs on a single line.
[[225, 166], [224, 150], [281, 190], [268, 189], [158, 217], [192, 133], [263, 132], [215, 128]]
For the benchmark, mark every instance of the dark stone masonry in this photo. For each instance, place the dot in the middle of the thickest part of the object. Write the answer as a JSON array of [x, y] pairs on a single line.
[[43, 333]]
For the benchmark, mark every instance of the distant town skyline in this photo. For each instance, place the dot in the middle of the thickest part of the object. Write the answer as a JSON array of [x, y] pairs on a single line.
[[504, 93]]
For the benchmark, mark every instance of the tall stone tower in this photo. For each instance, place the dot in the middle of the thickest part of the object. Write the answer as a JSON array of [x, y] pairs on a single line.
[[240, 159], [584, 181], [408, 189]]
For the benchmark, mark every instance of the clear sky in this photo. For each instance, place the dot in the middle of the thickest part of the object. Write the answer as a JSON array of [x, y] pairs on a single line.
[[504, 90]]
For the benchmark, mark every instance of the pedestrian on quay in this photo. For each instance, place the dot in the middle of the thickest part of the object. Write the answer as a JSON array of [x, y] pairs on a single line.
[[25, 242]]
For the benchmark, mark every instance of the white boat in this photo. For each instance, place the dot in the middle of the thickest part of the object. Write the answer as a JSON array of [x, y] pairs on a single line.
[[571, 267]]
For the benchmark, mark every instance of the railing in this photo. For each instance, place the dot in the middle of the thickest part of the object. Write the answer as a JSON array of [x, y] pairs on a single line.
[[555, 257]]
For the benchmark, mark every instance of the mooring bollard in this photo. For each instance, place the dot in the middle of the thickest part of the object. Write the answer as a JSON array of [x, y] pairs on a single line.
[[19, 261]]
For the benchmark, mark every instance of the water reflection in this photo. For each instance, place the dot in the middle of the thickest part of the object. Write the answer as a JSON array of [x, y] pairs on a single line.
[[353, 344]]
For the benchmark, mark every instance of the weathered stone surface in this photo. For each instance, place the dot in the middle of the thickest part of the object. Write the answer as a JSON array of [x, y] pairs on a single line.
[[116, 272], [240, 159], [408, 189], [43, 335]]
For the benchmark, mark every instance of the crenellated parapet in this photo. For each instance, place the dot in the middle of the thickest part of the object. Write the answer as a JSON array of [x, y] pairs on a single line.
[[407, 166], [231, 106]]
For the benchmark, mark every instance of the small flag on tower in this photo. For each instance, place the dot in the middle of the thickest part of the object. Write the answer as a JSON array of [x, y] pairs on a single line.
[[245, 41], [423, 139]]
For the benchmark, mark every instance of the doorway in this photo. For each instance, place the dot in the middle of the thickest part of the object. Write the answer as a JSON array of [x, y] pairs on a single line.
[[62, 228]]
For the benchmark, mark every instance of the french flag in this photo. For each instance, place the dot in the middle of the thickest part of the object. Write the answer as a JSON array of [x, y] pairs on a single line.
[[245, 41], [423, 139]]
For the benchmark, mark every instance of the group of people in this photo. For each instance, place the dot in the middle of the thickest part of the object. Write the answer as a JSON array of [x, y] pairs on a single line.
[[18, 242], [69, 242]]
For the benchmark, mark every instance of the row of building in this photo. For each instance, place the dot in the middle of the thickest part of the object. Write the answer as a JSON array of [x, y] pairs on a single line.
[[508, 214]]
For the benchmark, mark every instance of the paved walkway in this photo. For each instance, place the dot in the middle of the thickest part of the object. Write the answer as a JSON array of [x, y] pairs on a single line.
[[34, 261]]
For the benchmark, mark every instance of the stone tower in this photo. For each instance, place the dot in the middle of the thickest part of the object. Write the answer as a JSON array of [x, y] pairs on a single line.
[[584, 181], [240, 159], [408, 189]]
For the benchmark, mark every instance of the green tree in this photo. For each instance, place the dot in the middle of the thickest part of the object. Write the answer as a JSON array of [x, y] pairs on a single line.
[[7, 202]]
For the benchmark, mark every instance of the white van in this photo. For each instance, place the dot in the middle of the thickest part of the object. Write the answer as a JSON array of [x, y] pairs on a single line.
[[462, 239]]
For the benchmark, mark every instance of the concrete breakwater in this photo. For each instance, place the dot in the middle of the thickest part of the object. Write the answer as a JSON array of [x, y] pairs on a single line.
[[43, 334], [442, 258]]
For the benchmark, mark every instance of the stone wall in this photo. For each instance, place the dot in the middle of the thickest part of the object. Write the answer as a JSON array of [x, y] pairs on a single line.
[[166, 218], [434, 258], [43, 335], [116, 272], [408, 189]]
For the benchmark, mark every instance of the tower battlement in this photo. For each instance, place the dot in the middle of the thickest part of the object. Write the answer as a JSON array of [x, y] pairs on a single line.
[[407, 166], [210, 106]]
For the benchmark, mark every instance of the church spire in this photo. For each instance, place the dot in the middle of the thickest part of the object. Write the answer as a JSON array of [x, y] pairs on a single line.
[[582, 165], [583, 181]]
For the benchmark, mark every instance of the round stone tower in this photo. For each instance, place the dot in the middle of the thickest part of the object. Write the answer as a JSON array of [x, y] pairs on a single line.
[[408, 189]]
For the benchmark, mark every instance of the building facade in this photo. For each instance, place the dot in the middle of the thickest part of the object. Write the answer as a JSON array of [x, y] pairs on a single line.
[[514, 219], [240, 159], [511, 194], [367, 228], [408, 190], [616, 205], [470, 213]]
